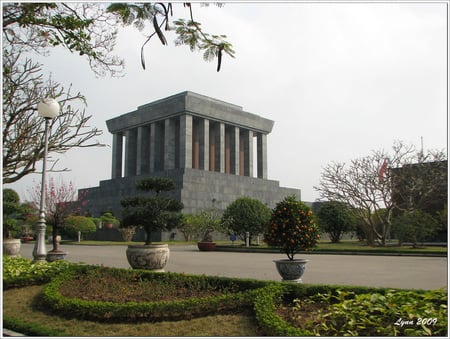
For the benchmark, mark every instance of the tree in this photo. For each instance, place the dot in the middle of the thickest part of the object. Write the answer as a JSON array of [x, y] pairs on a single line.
[[30, 28], [61, 201], [79, 223], [246, 215], [414, 226], [23, 130], [11, 209], [84, 28], [335, 219], [189, 32], [200, 225], [366, 184], [292, 227], [89, 29], [153, 213]]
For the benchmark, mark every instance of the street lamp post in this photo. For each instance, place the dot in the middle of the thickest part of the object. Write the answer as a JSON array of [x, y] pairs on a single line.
[[48, 109]]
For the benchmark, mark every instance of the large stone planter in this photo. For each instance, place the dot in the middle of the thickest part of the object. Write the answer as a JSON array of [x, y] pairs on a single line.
[[11, 247], [56, 255], [291, 270], [148, 257], [206, 246]]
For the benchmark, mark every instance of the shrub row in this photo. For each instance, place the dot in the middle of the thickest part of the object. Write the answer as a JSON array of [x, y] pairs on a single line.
[[155, 311], [265, 305]]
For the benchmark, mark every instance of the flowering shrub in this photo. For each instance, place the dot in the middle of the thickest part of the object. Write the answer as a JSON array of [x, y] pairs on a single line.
[[292, 227]]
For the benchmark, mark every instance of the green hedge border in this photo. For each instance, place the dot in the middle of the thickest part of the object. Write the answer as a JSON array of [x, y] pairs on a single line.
[[266, 303], [154, 311], [261, 296]]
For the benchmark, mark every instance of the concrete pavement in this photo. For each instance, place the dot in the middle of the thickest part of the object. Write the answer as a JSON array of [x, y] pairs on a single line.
[[354, 270]]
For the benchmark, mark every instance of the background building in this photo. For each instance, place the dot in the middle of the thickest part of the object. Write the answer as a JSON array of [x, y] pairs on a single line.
[[214, 151]]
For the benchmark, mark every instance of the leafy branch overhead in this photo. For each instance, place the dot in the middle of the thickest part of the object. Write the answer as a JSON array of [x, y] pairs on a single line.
[[189, 32]]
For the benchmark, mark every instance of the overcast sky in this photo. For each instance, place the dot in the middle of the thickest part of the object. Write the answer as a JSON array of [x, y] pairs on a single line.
[[339, 79]]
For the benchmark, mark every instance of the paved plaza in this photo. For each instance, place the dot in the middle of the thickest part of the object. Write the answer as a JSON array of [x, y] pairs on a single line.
[[407, 272]]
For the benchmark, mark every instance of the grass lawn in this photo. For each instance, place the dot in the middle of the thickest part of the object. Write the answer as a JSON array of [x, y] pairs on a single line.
[[344, 247], [18, 303]]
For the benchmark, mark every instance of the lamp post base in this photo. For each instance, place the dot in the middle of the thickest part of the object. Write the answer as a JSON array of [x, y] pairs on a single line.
[[39, 251]]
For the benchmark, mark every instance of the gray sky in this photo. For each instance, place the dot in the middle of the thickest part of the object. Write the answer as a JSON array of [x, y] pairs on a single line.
[[339, 79]]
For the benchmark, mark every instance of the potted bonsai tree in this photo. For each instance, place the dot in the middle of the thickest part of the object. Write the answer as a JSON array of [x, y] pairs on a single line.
[[108, 220], [204, 223], [291, 229], [152, 213]]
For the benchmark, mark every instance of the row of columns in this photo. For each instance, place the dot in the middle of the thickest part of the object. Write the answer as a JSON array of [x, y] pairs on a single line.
[[188, 142]]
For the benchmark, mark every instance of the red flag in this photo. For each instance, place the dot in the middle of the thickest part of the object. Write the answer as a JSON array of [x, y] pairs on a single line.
[[382, 170]]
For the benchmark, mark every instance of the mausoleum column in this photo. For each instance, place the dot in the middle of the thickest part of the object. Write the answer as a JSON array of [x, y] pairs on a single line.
[[204, 144], [130, 152], [248, 153], [116, 168], [186, 141], [143, 150], [235, 150], [220, 148], [169, 144], [261, 153]]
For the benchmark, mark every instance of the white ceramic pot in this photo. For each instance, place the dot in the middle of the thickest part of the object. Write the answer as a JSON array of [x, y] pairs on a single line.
[[291, 270], [149, 257]]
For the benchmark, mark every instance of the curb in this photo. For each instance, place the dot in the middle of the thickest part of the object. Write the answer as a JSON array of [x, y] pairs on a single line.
[[257, 250]]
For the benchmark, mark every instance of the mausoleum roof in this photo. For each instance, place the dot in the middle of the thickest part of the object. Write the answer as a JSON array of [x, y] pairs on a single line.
[[190, 103]]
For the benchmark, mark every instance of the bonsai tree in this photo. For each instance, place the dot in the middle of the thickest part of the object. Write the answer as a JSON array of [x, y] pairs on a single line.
[[335, 218], [246, 214], [108, 218], [292, 227], [154, 212]]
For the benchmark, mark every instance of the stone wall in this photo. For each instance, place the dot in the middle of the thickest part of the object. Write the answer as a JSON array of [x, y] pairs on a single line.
[[197, 190]]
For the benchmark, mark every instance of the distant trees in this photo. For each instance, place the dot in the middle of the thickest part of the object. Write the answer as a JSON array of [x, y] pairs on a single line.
[[246, 215], [335, 219], [380, 186]]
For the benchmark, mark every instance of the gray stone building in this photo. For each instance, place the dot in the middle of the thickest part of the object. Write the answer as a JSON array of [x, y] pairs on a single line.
[[214, 151]]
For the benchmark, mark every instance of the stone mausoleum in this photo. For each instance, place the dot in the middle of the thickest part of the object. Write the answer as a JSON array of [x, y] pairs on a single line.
[[208, 147]]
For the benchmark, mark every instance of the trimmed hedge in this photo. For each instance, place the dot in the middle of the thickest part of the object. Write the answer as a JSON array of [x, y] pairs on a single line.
[[265, 312], [155, 311], [355, 310]]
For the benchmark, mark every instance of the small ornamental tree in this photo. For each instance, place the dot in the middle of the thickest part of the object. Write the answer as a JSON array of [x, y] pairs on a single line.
[[335, 218], [78, 223], [201, 225], [246, 214], [152, 213], [61, 201], [292, 227]]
